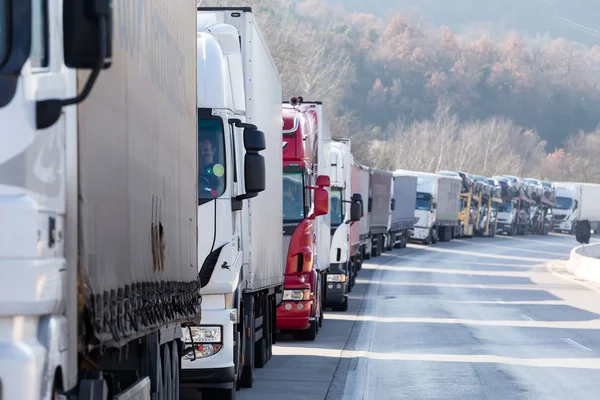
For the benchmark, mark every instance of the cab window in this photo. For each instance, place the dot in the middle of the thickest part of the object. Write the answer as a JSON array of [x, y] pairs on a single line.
[[293, 197], [211, 159]]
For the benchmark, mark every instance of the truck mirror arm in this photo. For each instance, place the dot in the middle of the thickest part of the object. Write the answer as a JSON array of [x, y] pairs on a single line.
[[48, 111]]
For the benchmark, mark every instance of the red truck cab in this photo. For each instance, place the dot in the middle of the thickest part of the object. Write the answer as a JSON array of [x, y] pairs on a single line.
[[304, 199]]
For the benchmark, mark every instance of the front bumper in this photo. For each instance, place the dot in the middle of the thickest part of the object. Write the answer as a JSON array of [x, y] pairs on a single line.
[[419, 233], [336, 292], [218, 370], [294, 315]]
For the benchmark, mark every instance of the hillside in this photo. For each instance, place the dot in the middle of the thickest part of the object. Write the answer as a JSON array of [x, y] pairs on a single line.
[[574, 20], [398, 85]]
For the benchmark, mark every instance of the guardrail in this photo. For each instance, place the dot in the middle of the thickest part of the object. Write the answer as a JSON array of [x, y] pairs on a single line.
[[584, 262]]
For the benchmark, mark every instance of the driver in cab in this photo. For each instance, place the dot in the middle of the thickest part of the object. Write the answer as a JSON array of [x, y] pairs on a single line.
[[207, 178]]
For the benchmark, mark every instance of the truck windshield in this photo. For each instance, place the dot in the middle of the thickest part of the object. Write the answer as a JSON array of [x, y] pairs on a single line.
[[337, 208], [564, 203], [211, 158], [506, 206], [423, 201], [5, 28], [293, 197]]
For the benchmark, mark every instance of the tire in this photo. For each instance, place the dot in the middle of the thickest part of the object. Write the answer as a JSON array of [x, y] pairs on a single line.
[[166, 384], [307, 335], [175, 369], [434, 237], [341, 307]]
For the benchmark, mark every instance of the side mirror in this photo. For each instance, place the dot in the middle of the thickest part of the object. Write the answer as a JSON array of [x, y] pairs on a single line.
[[255, 174], [323, 181], [433, 205], [321, 202], [87, 35], [355, 211], [576, 203], [370, 204], [393, 205], [357, 197]]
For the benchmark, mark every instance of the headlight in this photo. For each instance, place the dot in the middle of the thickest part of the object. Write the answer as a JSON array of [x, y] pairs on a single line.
[[202, 334], [296, 295], [336, 277]]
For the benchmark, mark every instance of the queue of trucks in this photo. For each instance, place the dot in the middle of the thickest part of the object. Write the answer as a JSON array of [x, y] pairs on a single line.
[[161, 227]]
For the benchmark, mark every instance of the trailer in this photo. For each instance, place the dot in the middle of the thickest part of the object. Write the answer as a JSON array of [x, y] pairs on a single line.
[[402, 218], [98, 200], [381, 200]]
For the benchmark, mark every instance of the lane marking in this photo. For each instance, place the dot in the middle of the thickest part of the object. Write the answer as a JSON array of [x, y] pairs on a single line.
[[499, 300], [576, 345], [480, 286], [527, 317]]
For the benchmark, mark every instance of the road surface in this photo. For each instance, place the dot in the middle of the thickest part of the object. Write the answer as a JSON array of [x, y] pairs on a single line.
[[470, 319]]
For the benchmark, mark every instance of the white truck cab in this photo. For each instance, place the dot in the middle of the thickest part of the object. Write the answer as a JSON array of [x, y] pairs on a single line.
[[565, 210]]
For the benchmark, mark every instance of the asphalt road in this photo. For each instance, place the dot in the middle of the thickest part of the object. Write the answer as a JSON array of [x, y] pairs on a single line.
[[470, 319]]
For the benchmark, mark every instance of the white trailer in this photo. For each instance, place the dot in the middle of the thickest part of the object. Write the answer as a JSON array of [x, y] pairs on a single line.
[[239, 239], [437, 205], [98, 268]]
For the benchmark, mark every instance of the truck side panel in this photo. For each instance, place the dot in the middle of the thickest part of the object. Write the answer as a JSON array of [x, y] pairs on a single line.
[[138, 155], [267, 266], [365, 190], [589, 205], [448, 201], [405, 195], [355, 226], [381, 182]]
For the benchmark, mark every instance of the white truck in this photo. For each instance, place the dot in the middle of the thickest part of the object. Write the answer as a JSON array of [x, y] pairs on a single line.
[[437, 205], [576, 202], [345, 210], [98, 268], [239, 240]]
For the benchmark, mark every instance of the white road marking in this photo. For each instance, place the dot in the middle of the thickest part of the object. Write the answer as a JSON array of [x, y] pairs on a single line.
[[481, 286], [576, 345], [527, 317], [499, 300]]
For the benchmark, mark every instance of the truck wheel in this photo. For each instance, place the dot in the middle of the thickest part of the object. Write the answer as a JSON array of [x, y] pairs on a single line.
[[175, 357], [307, 335], [434, 237], [341, 307], [166, 387]]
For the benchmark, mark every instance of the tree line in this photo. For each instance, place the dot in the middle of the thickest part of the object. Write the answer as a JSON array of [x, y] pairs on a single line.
[[416, 97]]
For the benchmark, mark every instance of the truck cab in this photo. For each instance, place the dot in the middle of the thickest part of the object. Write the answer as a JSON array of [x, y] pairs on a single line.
[[305, 204], [565, 209], [425, 211], [345, 211]]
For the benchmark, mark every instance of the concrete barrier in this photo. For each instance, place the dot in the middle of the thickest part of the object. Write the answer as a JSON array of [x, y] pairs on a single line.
[[584, 262]]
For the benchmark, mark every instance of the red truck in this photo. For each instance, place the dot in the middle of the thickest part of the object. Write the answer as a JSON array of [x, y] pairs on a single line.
[[305, 203]]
